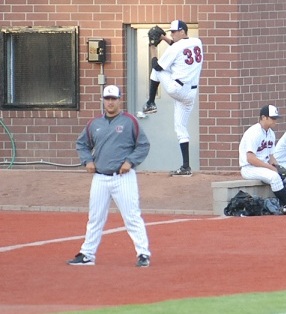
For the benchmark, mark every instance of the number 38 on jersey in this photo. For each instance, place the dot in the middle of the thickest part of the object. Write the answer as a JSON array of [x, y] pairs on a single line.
[[193, 56]]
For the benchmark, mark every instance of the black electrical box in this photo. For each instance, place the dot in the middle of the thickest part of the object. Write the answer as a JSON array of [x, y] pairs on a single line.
[[96, 50]]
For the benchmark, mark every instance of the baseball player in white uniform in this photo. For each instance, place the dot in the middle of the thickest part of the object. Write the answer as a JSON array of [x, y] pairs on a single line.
[[280, 151], [110, 146], [256, 152], [178, 70]]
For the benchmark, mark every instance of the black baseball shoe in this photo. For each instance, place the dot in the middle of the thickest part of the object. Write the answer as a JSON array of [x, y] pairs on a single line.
[[150, 108], [182, 172], [143, 261], [80, 259]]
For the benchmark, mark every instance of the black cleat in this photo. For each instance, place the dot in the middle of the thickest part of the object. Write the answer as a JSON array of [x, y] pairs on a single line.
[[150, 108], [182, 172], [80, 259], [143, 261]]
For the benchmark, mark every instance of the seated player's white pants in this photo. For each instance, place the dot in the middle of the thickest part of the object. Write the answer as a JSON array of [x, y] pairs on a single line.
[[123, 189], [263, 174], [184, 98]]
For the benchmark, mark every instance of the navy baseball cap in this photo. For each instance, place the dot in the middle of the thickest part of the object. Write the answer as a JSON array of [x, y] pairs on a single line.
[[270, 111], [178, 25]]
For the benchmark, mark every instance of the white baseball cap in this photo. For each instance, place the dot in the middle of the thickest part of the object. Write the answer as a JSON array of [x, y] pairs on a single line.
[[269, 111], [111, 91], [178, 25]]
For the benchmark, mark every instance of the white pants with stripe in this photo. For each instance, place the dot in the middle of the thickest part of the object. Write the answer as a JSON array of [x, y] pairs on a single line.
[[263, 174], [184, 98], [123, 189]]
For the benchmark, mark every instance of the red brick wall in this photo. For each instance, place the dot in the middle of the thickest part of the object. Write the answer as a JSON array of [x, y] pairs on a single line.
[[263, 57], [244, 68], [245, 49]]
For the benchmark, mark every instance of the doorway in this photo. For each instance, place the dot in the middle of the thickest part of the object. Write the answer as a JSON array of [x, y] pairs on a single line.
[[165, 154]]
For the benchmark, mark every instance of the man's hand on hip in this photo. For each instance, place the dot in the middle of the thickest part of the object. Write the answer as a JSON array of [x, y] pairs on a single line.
[[90, 167]]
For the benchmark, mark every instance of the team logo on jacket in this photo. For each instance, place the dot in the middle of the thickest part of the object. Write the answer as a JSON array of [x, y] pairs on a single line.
[[119, 129]]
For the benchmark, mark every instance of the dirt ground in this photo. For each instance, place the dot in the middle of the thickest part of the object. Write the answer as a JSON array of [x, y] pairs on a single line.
[[193, 254], [48, 190]]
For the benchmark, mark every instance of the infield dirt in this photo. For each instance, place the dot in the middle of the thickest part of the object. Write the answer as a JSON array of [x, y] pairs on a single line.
[[69, 190]]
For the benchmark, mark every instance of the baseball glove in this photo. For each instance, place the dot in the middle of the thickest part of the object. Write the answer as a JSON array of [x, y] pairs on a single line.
[[154, 35], [282, 171]]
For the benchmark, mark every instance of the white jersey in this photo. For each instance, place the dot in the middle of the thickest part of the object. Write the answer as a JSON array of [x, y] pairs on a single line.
[[181, 61], [186, 51], [280, 151], [258, 141]]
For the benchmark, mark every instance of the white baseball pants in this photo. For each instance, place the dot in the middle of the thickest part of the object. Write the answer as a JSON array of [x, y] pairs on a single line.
[[184, 98], [123, 189], [265, 175]]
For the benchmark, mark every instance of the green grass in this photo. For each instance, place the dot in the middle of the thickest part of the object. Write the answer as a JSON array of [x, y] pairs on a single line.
[[254, 303]]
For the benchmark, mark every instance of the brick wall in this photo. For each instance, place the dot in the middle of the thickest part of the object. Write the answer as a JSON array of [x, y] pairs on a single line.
[[263, 58], [245, 47], [244, 68]]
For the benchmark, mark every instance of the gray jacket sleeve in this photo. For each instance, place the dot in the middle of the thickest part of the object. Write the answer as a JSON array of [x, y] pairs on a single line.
[[84, 147], [142, 147]]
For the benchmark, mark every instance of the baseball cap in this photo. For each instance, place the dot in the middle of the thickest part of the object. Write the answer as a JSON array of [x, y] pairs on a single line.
[[111, 91], [178, 25], [269, 111]]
